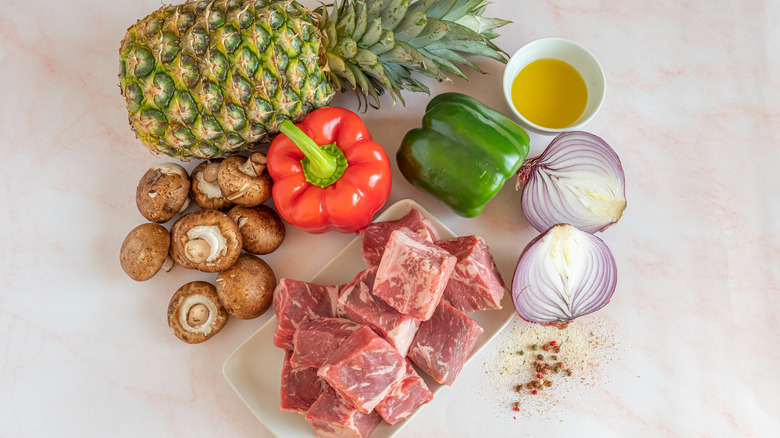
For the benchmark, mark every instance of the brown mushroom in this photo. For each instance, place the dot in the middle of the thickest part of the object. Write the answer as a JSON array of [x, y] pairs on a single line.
[[195, 313], [145, 251], [246, 289], [205, 189], [206, 240], [262, 230], [163, 191], [244, 181]]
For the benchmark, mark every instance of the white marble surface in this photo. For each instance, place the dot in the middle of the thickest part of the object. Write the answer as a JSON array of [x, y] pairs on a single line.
[[692, 109]]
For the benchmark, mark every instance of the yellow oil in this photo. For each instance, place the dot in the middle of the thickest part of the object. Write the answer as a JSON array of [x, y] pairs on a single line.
[[550, 93]]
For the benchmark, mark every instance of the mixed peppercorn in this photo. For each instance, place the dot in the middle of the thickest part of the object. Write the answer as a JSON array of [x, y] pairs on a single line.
[[545, 366]]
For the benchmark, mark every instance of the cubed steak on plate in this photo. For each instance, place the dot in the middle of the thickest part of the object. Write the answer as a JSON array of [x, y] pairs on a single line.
[[405, 397], [300, 387], [358, 303], [475, 283], [413, 274], [295, 300], [364, 369], [334, 417], [376, 235], [443, 343], [316, 339]]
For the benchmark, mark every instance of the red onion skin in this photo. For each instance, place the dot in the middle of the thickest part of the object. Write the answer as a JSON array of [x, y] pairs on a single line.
[[540, 216], [560, 324]]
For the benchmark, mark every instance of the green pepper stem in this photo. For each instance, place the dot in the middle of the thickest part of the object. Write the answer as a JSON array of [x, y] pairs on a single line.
[[324, 164], [321, 164]]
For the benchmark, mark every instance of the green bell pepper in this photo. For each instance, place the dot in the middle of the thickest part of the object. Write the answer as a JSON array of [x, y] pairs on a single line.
[[464, 152]]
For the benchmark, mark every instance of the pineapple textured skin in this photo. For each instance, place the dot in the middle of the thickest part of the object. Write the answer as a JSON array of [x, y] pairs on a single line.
[[207, 78]]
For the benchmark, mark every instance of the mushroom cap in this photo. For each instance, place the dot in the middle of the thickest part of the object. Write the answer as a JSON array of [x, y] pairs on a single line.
[[195, 313], [144, 251], [262, 230], [246, 289], [205, 190], [163, 191], [206, 240], [244, 181]]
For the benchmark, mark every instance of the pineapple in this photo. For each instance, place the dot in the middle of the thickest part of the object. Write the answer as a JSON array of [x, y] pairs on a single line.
[[210, 78]]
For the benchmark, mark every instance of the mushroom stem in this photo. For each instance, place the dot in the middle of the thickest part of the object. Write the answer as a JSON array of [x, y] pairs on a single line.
[[259, 161], [197, 250], [206, 183], [184, 206], [210, 172], [171, 169], [254, 165], [197, 315], [168, 264]]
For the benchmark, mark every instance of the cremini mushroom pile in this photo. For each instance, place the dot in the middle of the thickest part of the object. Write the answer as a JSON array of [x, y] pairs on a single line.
[[223, 235]]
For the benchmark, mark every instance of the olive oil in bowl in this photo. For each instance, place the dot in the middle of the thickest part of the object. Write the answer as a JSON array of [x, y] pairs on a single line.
[[550, 93]]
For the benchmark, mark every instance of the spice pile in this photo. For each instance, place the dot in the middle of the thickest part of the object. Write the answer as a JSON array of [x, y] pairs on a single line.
[[537, 366], [543, 367]]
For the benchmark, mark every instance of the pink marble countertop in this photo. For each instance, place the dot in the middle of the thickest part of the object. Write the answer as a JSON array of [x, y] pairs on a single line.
[[692, 108]]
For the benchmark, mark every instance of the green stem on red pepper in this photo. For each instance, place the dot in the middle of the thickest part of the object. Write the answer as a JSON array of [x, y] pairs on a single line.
[[324, 164]]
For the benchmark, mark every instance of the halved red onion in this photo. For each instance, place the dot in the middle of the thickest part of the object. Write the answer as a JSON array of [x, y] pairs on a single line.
[[577, 180], [564, 273]]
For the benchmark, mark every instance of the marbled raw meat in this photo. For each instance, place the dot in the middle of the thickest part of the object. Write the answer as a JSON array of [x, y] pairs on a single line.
[[475, 283], [364, 369], [334, 417], [376, 235], [300, 386], [413, 274], [358, 303], [316, 339], [405, 397], [295, 300], [443, 343]]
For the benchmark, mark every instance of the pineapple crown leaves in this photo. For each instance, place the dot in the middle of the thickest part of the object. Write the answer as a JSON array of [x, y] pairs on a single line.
[[376, 45]]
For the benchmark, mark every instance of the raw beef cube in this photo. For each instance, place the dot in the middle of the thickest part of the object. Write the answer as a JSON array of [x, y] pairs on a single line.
[[475, 283], [316, 339], [444, 342], [300, 386], [432, 234], [413, 274], [357, 303], [364, 369], [376, 235], [295, 300], [405, 397], [333, 416]]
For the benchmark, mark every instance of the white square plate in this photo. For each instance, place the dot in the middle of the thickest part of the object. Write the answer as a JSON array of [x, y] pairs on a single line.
[[254, 369]]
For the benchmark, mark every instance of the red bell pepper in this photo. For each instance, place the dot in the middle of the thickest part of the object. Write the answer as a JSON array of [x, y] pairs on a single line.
[[328, 173]]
